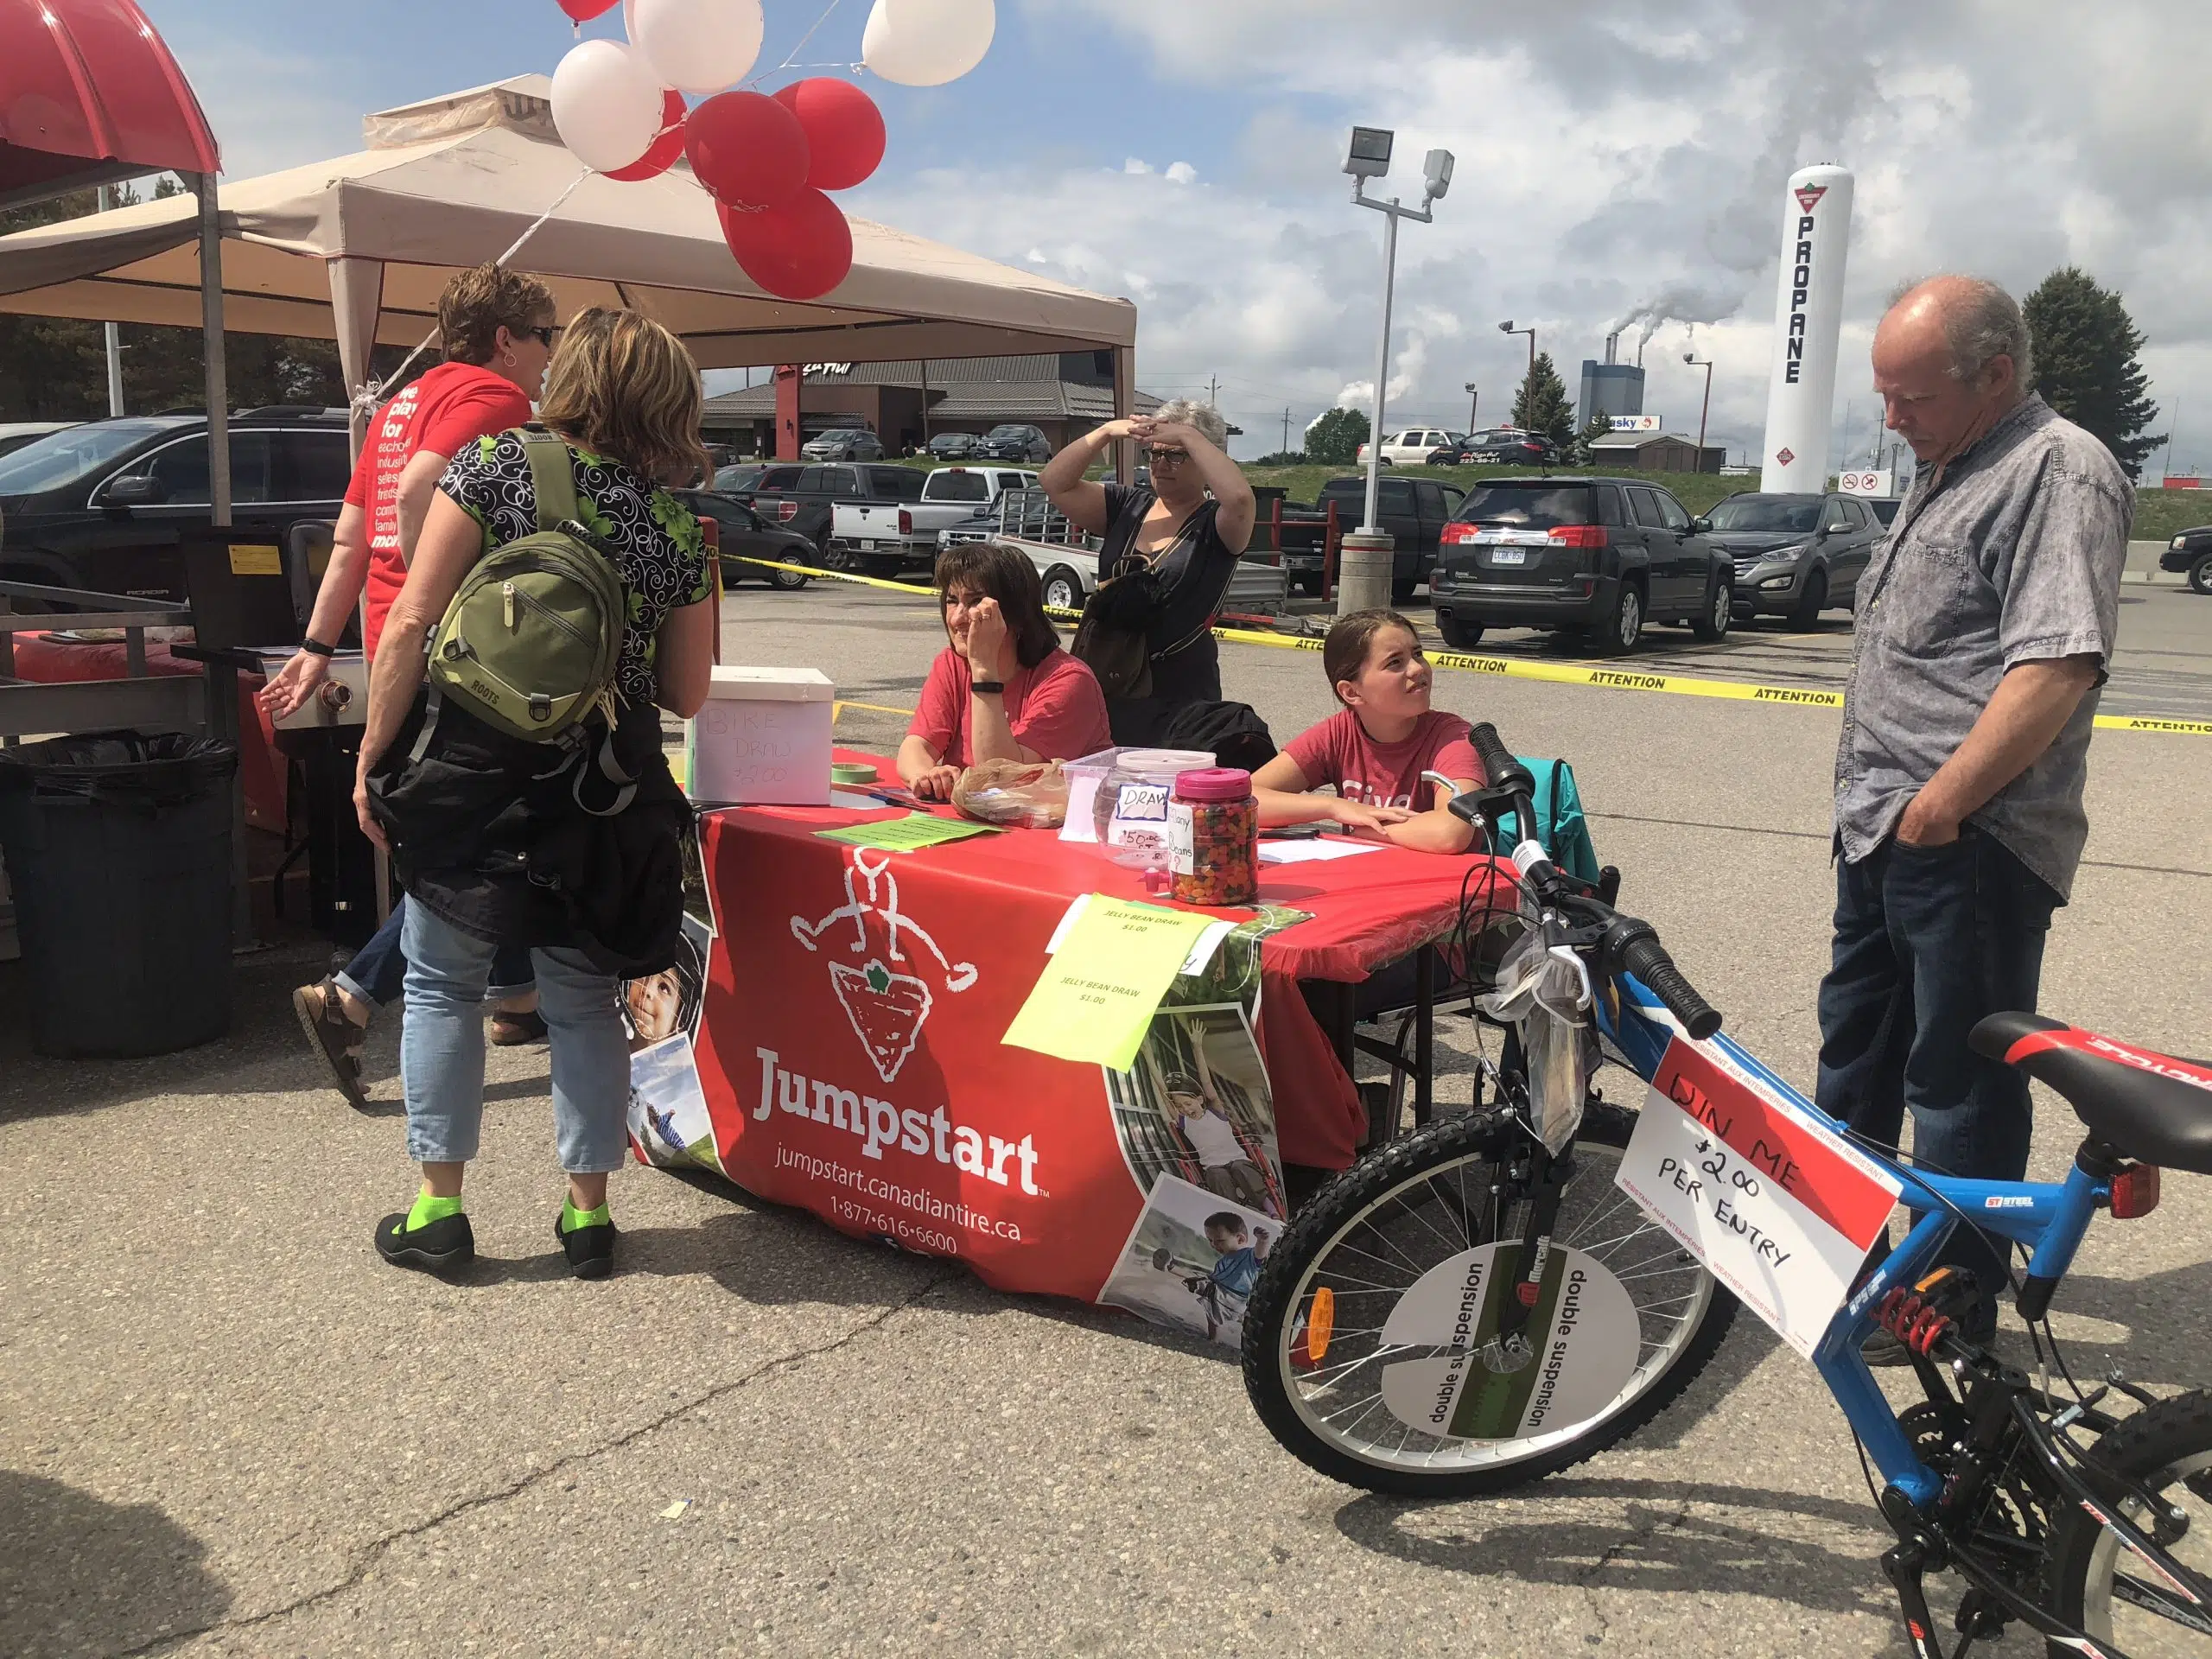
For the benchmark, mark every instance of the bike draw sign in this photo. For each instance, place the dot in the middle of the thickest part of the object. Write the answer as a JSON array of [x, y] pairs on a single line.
[[1774, 1204]]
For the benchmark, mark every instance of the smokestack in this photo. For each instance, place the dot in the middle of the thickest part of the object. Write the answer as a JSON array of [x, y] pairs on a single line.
[[1612, 348]]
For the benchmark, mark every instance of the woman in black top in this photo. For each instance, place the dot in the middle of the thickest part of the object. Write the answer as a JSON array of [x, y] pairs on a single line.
[[1188, 529]]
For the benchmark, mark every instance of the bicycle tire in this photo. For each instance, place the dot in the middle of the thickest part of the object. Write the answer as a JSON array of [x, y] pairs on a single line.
[[1281, 1297], [2163, 1447]]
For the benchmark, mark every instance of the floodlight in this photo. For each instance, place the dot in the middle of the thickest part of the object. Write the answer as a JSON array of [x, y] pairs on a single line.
[[1436, 172], [1369, 155], [1505, 327]]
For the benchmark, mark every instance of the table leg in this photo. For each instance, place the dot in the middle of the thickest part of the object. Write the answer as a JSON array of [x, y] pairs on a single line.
[[223, 723], [1424, 1032]]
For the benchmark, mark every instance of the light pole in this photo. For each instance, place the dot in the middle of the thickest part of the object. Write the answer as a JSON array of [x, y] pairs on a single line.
[[1507, 327], [1369, 157], [1474, 401], [1704, 409]]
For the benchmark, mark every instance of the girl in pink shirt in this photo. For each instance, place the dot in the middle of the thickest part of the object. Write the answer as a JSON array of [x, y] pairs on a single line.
[[1002, 689], [1376, 748]]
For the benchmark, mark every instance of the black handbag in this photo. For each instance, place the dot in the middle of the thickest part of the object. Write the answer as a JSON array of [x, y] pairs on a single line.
[[1113, 639]]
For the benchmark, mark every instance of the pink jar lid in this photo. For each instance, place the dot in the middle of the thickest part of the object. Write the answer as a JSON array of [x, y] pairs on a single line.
[[1213, 784]]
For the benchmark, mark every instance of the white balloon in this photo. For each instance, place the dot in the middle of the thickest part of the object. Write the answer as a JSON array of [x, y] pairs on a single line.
[[697, 46], [927, 42], [606, 104]]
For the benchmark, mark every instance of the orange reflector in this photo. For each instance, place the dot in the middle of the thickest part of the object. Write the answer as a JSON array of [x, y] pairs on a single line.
[[1528, 1293], [2135, 1191], [1320, 1324]]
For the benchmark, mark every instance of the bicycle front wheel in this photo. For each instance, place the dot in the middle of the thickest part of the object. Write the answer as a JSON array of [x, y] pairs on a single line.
[[2101, 1588], [1370, 1345]]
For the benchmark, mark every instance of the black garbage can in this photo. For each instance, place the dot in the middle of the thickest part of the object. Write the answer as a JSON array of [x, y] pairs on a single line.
[[118, 849]]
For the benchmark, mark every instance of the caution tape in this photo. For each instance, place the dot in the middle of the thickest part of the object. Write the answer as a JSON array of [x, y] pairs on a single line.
[[1612, 679]]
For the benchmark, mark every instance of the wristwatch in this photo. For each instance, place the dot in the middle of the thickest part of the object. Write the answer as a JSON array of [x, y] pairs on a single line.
[[998, 686], [317, 648]]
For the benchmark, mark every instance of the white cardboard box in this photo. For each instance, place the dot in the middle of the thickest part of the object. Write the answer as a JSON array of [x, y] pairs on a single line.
[[762, 737]]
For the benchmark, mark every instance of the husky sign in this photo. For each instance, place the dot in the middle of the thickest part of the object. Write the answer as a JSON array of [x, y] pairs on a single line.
[[1808, 319]]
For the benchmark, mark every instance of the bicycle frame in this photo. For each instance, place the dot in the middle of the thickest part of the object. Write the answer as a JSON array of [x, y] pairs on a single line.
[[2050, 1218]]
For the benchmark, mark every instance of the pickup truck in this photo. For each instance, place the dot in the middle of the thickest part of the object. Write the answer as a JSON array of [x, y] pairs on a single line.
[[959, 500], [880, 538], [804, 498], [1414, 510]]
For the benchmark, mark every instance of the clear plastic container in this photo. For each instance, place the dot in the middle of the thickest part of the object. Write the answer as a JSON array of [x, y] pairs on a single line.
[[1117, 801]]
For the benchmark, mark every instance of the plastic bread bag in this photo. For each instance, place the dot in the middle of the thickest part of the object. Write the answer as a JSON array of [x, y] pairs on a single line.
[[1032, 794], [1544, 990]]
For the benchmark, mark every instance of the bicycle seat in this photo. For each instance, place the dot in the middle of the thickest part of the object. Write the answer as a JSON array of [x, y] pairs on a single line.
[[2151, 1106]]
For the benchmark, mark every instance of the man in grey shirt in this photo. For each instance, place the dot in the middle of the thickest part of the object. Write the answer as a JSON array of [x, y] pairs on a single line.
[[1985, 626]]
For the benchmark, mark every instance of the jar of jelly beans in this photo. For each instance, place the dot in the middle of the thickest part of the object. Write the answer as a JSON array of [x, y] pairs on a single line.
[[1213, 837]]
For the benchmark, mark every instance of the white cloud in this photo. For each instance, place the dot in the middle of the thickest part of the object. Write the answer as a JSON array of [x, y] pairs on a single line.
[[1182, 172], [1135, 166]]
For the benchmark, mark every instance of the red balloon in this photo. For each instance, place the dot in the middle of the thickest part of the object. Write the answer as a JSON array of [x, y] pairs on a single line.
[[845, 130], [584, 10], [798, 250], [748, 148], [666, 148]]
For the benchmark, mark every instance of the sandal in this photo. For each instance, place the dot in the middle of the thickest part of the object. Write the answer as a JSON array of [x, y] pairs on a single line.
[[513, 1030], [321, 1013]]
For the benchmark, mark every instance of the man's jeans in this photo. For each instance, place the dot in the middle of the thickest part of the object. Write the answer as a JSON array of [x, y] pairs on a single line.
[[1929, 940], [378, 971], [442, 1049]]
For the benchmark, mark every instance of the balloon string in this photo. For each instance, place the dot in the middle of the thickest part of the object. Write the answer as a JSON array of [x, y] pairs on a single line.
[[365, 397], [809, 35]]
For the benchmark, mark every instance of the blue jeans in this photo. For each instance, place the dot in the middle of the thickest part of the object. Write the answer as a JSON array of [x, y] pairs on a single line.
[[442, 1049], [1929, 940], [378, 971]]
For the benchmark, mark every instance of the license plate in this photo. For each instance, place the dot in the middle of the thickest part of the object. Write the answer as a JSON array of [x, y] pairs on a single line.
[[1509, 556]]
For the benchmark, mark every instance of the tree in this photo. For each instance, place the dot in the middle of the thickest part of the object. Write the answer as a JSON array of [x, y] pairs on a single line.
[[50, 369], [1581, 454], [1334, 439], [2085, 365], [1540, 405]]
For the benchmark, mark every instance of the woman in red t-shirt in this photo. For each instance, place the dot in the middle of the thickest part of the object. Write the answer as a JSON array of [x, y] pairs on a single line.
[[1003, 690], [1376, 749]]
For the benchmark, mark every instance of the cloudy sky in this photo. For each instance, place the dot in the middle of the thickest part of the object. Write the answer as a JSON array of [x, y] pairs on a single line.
[[1617, 159]]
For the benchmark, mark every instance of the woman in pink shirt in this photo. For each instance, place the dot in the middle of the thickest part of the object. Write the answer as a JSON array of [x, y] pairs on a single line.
[[1375, 751], [1003, 690]]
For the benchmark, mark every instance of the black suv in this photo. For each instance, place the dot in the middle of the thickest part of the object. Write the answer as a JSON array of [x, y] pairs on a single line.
[[1795, 554], [1413, 510], [1013, 442], [2191, 552], [1599, 555], [103, 505]]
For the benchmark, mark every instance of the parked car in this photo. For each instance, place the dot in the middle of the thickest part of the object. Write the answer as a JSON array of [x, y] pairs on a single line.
[[1796, 555], [1884, 507], [842, 444], [1013, 442], [745, 475], [1506, 448], [14, 434], [1594, 556], [803, 498], [1414, 510], [2192, 551], [953, 445], [744, 534], [104, 505], [1069, 573], [1411, 447]]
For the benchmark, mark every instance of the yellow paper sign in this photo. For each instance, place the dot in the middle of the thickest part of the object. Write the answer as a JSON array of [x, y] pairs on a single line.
[[1098, 996], [255, 559]]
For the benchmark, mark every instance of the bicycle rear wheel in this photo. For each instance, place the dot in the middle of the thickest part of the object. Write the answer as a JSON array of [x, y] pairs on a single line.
[[2100, 1587], [1367, 1342]]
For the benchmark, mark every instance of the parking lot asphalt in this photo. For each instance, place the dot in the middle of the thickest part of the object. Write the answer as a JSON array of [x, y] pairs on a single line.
[[228, 1429]]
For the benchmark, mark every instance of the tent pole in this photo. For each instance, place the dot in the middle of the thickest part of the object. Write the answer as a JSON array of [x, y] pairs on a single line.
[[356, 301], [1125, 404], [222, 678]]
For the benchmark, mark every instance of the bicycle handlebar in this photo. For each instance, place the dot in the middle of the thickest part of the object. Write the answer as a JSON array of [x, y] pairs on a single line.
[[1635, 946], [1501, 770]]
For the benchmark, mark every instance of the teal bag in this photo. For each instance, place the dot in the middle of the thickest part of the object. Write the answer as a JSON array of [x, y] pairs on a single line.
[[1561, 829]]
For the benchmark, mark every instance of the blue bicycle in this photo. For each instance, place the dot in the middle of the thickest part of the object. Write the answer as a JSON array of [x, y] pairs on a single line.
[[1388, 1341]]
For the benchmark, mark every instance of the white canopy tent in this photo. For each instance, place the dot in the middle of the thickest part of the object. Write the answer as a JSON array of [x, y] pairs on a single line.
[[358, 249]]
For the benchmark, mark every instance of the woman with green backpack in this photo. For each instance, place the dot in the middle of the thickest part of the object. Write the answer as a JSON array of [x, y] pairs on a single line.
[[558, 600]]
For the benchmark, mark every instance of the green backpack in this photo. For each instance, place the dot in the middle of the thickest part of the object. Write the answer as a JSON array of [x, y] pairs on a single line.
[[529, 644]]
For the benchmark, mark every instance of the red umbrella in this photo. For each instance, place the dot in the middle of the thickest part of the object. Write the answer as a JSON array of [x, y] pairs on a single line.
[[89, 94]]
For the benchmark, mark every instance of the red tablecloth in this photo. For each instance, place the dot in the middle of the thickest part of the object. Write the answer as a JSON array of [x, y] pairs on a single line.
[[62, 661], [839, 976]]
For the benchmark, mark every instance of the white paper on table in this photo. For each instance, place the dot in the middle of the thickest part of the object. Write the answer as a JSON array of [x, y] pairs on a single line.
[[1319, 849], [1202, 948]]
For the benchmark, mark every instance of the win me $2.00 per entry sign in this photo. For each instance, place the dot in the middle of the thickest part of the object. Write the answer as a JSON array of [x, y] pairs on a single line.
[[1773, 1203]]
